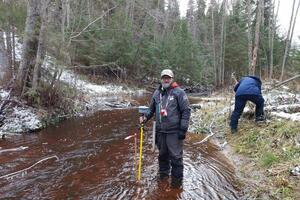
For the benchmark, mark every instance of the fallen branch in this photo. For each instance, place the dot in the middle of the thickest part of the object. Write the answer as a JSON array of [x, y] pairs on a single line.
[[284, 82], [288, 108], [280, 168], [78, 34], [210, 130], [24, 170], [208, 99], [94, 66], [21, 148]]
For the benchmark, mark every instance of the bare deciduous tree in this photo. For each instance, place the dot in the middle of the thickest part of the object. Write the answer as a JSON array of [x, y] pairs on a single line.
[[249, 32], [41, 51], [259, 19], [29, 47], [289, 37]]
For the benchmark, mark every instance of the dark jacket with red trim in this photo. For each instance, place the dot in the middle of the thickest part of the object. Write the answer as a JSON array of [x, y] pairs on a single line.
[[178, 109]]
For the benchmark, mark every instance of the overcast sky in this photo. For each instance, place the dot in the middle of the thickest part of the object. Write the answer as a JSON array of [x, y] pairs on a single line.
[[284, 15]]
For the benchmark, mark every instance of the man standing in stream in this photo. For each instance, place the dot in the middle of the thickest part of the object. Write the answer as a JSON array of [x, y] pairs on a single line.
[[172, 112]]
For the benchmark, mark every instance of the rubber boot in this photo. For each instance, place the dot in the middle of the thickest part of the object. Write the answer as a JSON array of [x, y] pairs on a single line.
[[162, 177], [176, 182]]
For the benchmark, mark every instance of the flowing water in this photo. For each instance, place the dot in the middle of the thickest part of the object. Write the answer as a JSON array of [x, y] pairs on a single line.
[[94, 161]]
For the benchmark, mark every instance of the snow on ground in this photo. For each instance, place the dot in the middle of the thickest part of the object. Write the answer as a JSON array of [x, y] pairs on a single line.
[[90, 88], [18, 118], [92, 97], [95, 96], [283, 104], [21, 120], [3, 94], [289, 116]]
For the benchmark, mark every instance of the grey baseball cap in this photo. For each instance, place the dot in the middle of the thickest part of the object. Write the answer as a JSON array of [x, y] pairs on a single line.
[[167, 72]]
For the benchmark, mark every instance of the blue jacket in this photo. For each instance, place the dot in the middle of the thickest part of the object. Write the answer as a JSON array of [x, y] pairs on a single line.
[[178, 109], [248, 85]]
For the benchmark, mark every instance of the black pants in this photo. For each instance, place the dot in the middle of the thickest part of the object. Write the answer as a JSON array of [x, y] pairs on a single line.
[[170, 154], [240, 102]]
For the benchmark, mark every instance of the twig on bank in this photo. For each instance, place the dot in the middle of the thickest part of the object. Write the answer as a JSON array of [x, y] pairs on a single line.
[[210, 130]]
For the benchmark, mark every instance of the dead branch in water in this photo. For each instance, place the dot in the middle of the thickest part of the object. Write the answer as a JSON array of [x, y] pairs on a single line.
[[21, 148], [24, 170]]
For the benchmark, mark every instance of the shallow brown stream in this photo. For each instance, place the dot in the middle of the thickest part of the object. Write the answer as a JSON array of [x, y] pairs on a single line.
[[95, 162]]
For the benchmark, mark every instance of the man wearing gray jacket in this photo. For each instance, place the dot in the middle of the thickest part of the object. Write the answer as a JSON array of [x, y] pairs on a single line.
[[172, 112]]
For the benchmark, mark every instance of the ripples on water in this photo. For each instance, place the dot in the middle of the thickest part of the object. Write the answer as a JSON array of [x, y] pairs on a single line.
[[95, 162]]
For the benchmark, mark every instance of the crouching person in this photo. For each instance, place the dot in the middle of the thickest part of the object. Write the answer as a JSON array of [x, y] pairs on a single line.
[[247, 89]]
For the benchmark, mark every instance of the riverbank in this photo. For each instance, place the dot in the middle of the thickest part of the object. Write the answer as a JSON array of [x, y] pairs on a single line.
[[87, 98], [265, 156]]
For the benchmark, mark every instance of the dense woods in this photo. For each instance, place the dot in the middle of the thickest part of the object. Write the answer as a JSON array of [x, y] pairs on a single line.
[[135, 39]]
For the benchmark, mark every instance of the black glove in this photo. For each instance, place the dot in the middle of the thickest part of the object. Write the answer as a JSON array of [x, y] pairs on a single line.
[[181, 135]]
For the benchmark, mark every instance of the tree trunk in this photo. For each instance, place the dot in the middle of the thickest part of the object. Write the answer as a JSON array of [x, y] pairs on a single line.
[[223, 58], [249, 33], [289, 39], [89, 9], [29, 47], [272, 39], [41, 51], [213, 45], [13, 66], [9, 48], [3, 56], [257, 33], [68, 8], [63, 20], [222, 49], [270, 22], [287, 42]]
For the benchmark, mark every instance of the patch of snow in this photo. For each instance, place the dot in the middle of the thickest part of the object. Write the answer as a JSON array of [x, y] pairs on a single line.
[[18, 48], [283, 104], [21, 120], [292, 116], [3, 94], [279, 97], [286, 108], [93, 96], [87, 87]]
